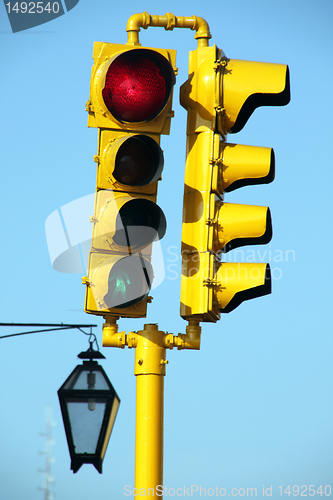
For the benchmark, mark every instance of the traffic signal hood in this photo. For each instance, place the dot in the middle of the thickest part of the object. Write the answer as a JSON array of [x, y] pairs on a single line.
[[130, 102], [219, 97], [221, 94]]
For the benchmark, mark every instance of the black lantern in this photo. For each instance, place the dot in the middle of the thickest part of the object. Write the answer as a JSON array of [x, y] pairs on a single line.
[[89, 406]]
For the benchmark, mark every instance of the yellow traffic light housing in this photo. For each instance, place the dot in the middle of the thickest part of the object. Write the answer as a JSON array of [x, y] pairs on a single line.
[[116, 169], [131, 85], [130, 103], [219, 96]]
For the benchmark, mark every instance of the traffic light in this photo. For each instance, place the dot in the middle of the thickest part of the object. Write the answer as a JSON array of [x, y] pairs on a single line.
[[219, 96], [130, 104]]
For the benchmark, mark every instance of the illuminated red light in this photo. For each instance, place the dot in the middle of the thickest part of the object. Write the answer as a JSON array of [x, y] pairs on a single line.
[[137, 85]]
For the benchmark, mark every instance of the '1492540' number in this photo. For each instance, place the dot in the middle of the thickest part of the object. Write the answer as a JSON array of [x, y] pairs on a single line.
[[33, 7]]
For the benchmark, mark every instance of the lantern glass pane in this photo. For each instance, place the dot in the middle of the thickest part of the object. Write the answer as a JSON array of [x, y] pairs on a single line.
[[81, 382], [86, 420]]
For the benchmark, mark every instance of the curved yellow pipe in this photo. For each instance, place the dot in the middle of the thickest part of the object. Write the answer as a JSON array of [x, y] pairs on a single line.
[[169, 22]]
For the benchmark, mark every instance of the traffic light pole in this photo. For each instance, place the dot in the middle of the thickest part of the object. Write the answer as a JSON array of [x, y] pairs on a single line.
[[219, 96], [149, 369], [150, 359]]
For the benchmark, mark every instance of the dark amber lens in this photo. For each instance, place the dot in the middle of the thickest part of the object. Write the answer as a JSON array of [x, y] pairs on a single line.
[[134, 162], [139, 223]]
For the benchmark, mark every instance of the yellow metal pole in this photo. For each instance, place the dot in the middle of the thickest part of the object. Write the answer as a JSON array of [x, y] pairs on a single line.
[[149, 370], [150, 351]]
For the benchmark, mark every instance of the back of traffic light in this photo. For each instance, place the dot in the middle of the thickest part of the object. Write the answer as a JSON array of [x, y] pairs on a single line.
[[219, 96], [130, 104]]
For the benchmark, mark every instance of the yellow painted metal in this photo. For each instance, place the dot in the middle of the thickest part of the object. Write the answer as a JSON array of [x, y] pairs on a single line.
[[109, 144], [150, 362], [149, 435], [208, 223], [150, 351], [239, 281], [219, 96], [211, 287], [191, 339], [240, 225], [108, 231], [100, 266], [221, 91], [198, 95], [197, 294], [249, 84], [199, 194], [169, 22], [98, 114], [113, 338], [244, 165], [149, 369], [129, 164], [211, 225]]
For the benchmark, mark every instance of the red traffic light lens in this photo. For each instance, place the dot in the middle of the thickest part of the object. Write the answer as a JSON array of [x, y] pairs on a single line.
[[138, 85], [139, 161]]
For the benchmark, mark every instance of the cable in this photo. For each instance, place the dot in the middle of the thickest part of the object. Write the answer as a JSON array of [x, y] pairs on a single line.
[[60, 326]]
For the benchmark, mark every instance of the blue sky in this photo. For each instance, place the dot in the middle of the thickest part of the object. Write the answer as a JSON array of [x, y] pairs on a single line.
[[254, 407]]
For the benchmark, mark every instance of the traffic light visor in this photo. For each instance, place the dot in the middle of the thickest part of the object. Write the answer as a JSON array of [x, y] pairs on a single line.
[[246, 165], [238, 282], [241, 225], [248, 85], [138, 85]]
